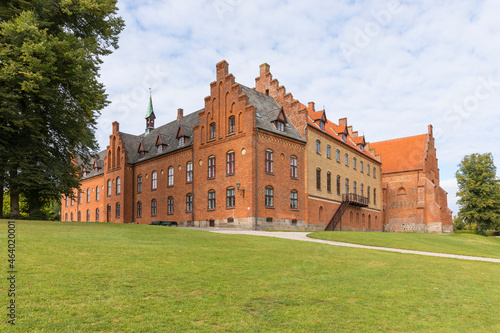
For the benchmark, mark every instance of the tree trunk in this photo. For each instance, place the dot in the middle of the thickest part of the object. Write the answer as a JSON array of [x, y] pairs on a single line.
[[14, 195]]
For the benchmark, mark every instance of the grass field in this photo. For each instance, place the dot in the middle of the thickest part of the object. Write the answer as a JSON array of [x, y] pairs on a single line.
[[80, 277], [465, 244]]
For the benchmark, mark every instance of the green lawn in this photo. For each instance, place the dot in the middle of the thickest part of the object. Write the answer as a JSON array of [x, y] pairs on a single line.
[[80, 277], [466, 244]]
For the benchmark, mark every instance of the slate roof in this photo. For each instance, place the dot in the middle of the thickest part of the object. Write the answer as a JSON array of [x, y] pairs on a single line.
[[91, 172], [402, 154], [267, 111]]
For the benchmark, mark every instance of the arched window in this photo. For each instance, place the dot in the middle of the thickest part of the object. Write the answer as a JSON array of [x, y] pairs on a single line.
[[88, 195], [139, 184], [368, 193], [329, 182], [346, 159], [79, 197], [369, 221], [361, 188], [338, 184], [88, 215], [321, 214], [269, 161], [117, 210], [97, 214], [354, 187], [66, 204], [363, 220], [351, 218], [374, 196], [211, 167], [170, 181], [354, 163], [368, 169], [71, 217], [189, 172], [212, 131], [230, 165], [294, 203], [269, 196], [232, 124], [318, 147], [230, 197], [118, 185], [338, 155], [109, 187], [97, 193], [154, 180], [139, 209], [357, 218], [79, 216], [318, 179], [347, 186], [293, 166], [211, 199], [361, 166], [153, 207], [328, 151], [374, 172], [170, 205]]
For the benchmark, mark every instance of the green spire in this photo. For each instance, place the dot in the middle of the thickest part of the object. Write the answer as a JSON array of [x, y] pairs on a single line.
[[150, 106]]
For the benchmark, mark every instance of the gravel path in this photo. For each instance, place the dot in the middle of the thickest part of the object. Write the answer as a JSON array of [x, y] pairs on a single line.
[[302, 236]]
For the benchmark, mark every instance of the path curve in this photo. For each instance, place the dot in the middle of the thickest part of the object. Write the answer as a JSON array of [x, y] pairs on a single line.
[[302, 236]]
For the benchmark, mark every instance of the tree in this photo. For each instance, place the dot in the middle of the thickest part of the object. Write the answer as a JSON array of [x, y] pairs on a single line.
[[50, 97], [479, 191]]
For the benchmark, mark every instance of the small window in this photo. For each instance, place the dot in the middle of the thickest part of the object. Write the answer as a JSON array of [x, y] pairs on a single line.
[[362, 147], [354, 163], [230, 220], [109, 187], [159, 149], [232, 124], [322, 125], [97, 193], [293, 167], [118, 185], [374, 172], [344, 137], [318, 179], [170, 205], [280, 126], [328, 151], [139, 209], [269, 196], [338, 156], [361, 166], [230, 197], [212, 131], [346, 159], [211, 199], [230, 163], [294, 221], [189, 202], [329, 182], [182, 140], [294, 200], [368, 169], [139, 184], [211, 167], [117, 210], [269, 219], [154, 180], [269, 161], [318, 147], [153, 207], [189, 172], [170, 181]]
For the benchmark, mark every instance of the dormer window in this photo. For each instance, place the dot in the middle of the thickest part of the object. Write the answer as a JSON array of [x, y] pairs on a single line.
[[181, 141], [159, 149], [344, 137], [280, 126], [322, 125], [362, 147]]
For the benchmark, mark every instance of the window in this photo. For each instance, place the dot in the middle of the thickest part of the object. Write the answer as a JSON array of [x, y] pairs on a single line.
[[354, 187], [354, 163], [338, 184], [109, 187], [368, 193], [211, 167], [361, 190], [159, 149], [280, 126], [269, 197], [269, 161], [347, 186], [79, 197], [211, 199], [66, 204], [232, 124], [329, 182], [139, 209], [374, 196], [117, 210], [181, 141], [72, 202], [230, 163], [318, 179], [338, 155], [189, 202], [318, 147], [88, 215], [361, 166], [170, 205], [362, 147], [294, 200], [189, 172], [344, 137], [154, 180], [97, 214], [97, 193], [139, 184], [293, 167], [212, 131], [170, 181], [230, 199], [374, 172], [322, 125], [118, 185], [368, 169], [153, 207], [79, 216], [66, 217], [328, 151], [71, 217], [346, 159]]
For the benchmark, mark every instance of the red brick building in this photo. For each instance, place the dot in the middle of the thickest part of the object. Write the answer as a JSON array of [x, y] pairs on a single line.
[[251, 158]]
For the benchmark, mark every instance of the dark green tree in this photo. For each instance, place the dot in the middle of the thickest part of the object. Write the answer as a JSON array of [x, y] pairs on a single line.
[[50, 96], [479, 191]]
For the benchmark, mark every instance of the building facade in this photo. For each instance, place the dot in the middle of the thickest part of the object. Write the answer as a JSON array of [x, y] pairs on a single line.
[[252, 158]]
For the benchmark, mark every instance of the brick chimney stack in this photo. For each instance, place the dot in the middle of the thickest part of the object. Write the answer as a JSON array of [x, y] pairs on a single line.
[[311, 106], [180, 113]]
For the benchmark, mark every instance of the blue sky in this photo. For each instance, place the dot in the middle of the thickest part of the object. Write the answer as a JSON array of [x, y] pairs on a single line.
[[390, 67]]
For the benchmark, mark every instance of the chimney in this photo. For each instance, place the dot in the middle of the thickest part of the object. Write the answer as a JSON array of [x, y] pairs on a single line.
[[311, 106], [343, 121], [264, 69], [180, 114]]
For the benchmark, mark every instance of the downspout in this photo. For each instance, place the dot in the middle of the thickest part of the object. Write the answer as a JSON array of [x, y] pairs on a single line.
[[256, 175], [133, 194], [192, 183]]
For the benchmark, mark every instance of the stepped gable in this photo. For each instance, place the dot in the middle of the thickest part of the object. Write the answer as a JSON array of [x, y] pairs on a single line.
[[403, 154], [267, 112]]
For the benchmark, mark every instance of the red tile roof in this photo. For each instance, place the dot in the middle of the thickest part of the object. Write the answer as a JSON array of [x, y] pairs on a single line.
[[402, 154]]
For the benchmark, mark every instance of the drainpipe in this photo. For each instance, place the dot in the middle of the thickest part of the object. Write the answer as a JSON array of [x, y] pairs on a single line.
[[256, 174], [192, 182]]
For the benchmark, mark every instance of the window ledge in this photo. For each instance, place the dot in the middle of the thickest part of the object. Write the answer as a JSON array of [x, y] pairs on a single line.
[[230, 174], [230, 208], [270, 173], [269, 207], [210, 178], [211, 209], [170, 186]]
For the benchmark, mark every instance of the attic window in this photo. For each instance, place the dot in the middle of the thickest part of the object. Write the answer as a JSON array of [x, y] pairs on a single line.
[[181, 141], [362, 147], [159, 149], [322, 125], [142, 153], [280, 126], [344, 137]]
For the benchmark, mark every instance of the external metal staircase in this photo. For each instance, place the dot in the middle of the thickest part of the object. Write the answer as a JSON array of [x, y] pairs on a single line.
[[347, 199]]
